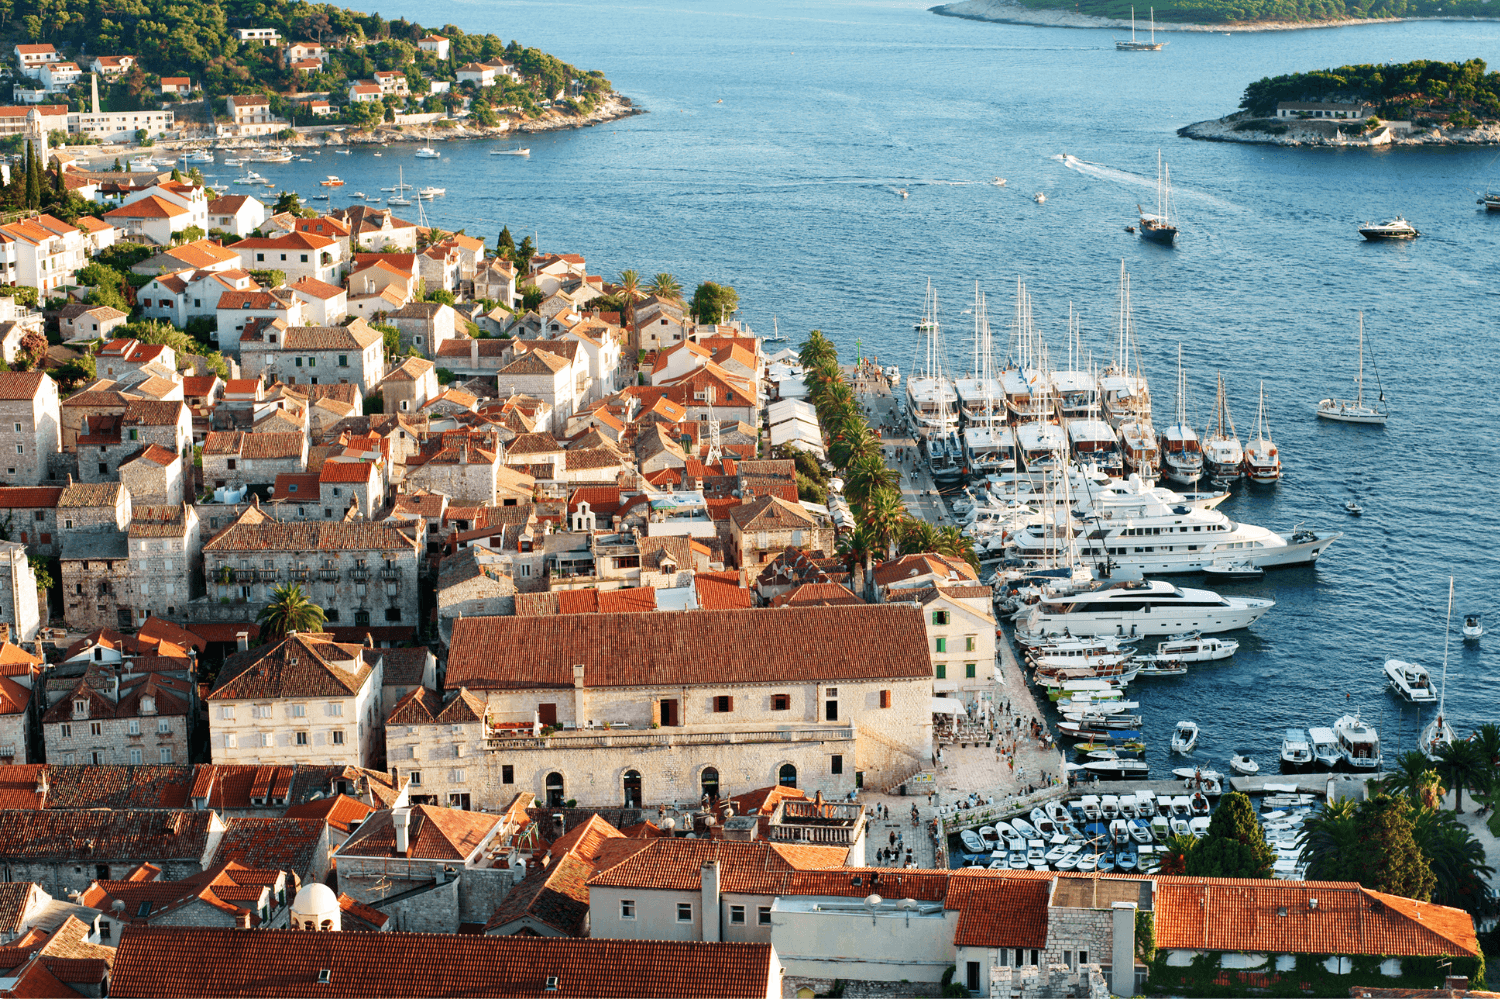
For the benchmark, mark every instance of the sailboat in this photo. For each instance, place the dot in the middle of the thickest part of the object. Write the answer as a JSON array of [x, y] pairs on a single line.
[[1356, 411], [1181, 454], [1158, 228], [1135, 46], [398, 198], [1222, 456], [1126, 397], [776, 336], [989, 446], [1437, 735], [1262, 460], [933, 402]]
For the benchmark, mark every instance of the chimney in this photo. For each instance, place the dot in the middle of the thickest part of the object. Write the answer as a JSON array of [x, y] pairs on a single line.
[[580, 696], [70, 479], [711, 901], [1122, 955], [402, 819], [1457, 984], [242, 639]]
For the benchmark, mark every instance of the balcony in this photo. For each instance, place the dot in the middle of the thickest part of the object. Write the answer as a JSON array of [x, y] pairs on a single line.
[[268, 575], [328, 574], [245, 575], [669, 736], [301, 573], [802, 822], [390, 573], [359, 573]]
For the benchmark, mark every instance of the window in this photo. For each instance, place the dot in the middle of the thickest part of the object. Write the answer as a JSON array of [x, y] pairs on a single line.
[[18, 428], [164, 726], [166, 755], [507, 774], [260, 257], [66, 731], [787, 776], [134, 727], [226, 712], [763, 916], [885, 699], [304, 258], [723, 703], [458, 775], [298, 711], [21, 448], [940, 671], [343, 361], [942, 645], [262, 711], [627, 909], [334, 708], [302, 739], [781, 702], [96, 729], [736, 914], [231, 740], [837, 765], [338, 737], [68, 759], [940, 618], [265, 739], [393, 614], [1083, 956], [96, 757], [684, 913], [831, 711], [67, 522], [968, 644], [709, 782]]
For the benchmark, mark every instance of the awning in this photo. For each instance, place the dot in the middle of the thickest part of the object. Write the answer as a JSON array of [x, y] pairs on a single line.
[[948, 706]]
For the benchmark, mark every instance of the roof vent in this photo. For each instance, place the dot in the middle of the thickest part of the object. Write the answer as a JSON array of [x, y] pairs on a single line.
[[325, 976], [1281, 911], [551, 982], [1312, 904]]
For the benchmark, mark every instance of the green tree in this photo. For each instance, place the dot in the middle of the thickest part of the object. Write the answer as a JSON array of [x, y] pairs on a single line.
[[1414, 779], [289, 610], [524, 253], [884, 516], [288, 201], [31, 352], [955, 544], [41, 571], [531, 297], [1462, 765], [391, 336], [1175, 853], [1372, 843], [33, 179], [713, 302], [1235, 844], [1459, 866], [665, 286], [816, 350], [868, 476]]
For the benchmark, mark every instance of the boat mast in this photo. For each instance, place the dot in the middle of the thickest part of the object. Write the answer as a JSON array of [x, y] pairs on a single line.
[[1153, 25], [987, 362], [1359, 379], [1447, 627], [1132, 26]]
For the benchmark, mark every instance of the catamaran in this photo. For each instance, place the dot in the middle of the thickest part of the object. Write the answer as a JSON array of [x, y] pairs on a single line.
[[1355, 411], [1158, 228], [1222, 455], [1135, 46], [1182, 455], [1262, 460]]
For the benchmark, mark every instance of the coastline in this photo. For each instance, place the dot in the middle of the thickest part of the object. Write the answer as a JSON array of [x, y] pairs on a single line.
[[1325, 133], [1010, 12]]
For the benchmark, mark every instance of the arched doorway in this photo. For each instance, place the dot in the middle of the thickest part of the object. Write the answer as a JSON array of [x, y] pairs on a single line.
[[710, 783], [632, 789], [787, 776], [554, 790]]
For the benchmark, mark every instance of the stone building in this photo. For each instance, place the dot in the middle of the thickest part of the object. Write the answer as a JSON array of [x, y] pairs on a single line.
[[32, 512], [304, 699], [433, 743], [351, 486], [763, 528], [120, 716], [464, 467], [18, 594], [961, 638], [406, 861], [316, 354], [153, 475], [474, 582], [31, 426], [409, 385], [166, 559], [813, 698], [15, 720], [424, 325], [67, 849], [84, 506], [234, 458], [362, 574], [96, 579], [227, 895]]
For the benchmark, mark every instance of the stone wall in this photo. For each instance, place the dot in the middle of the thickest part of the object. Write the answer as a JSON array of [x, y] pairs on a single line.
[[85, 608], [40, 436], [58, 877], [1056, 981], [428, 906], [1073, 929]]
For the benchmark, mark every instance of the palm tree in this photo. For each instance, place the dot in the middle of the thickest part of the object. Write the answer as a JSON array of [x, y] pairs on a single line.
[[858, 547], [885, 517], [1175, 853], [1330, 841], [290, 611], [630, 292], [866, 476], [665, 286], [1414, 778], [1487, 738], [919, 536], [956, 545], [1457, 860], [817, 350], [1462, 765], [856, 444]]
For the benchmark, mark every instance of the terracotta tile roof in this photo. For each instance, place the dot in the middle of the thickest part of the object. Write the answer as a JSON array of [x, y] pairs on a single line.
[[866, 641], [16, 661], [21, 385], [226, 962], [29, 496], [346, 472], [226, 631], [155, 413], [156, 631], [90, 495], [771, 513], [590, 602], [999, 912], [721, 592], [356, 913], [299, 666], [149, 207], [602, 500], [557, 896], [421, 504], [585, 839], [158, 522], [922, 564], [817, 595], [287, 844], [356, 336], [13, 899], [435, 833], [744, 867], [64, 835], [410, 370], [296, 486], [317, 289], [338, 811], [304, 536]]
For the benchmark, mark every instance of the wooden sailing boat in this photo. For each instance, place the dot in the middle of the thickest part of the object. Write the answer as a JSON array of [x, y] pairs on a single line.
[[1158, 228], [1356, 411], [1262, 459], [1222, 457], [1135, 46]]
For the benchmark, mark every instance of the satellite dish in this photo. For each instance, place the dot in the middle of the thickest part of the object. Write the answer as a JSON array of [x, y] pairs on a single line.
[[908, 904], [873, 900]]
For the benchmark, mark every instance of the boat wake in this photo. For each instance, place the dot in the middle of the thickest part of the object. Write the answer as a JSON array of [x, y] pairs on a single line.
[[1103, 173]]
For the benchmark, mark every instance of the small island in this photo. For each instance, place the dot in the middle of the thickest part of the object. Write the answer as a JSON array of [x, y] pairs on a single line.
[[1215, 15], [1423, 102]]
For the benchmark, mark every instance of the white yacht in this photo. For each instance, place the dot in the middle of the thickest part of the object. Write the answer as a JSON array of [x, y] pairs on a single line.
[[989, 450], [1359, 744], [1223, 458], [1181, 452], [1325, 746], [1185, 737], [1356, 411], [1092, 440], [427, 153], [1262, 460], [1143, 607], [1410, 681], [1296, 751], [1192, 647]]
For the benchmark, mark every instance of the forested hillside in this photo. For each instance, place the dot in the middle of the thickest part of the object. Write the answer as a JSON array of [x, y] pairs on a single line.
[[1418, 90], [1220, 11]]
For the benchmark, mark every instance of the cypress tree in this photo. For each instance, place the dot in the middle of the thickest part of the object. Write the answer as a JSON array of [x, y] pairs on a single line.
[[59, 186], [1235, 845], [1392, 862], [33, 178]]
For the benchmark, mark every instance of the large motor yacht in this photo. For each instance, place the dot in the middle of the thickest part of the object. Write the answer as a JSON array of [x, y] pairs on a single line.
[[1359, 745], [1143, 607], [1410, 681]]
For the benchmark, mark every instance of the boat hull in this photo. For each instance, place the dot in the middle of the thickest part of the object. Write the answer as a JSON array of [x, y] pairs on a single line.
[[1164, 235], [1331, 410], [1383, 235]]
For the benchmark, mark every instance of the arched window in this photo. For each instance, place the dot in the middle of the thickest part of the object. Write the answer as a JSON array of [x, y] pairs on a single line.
[[632, 789], [326, 925], [308, 925], [711, 782], [787, 777], [554, 790]]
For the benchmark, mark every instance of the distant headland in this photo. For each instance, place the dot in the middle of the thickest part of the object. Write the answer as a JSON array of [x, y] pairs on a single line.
[[1217, 15]]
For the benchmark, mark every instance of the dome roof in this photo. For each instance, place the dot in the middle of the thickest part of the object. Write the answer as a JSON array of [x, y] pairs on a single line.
[[315, 897]]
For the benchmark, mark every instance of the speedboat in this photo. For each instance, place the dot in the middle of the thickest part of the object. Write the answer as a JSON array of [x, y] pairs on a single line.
[[1229, 569], [427, 153], [1296, 751], [1109, 808], [998, 182], [1391, 229], [1472, 627], [1410, 681], [1191, 647], [1185, 737], [1242, 764], [1359, 745], [1039, 198], [1161, 827], [1353, 508], [1124, 767], [1042, 823], [429, 192], [332, 181], [1325, 747]]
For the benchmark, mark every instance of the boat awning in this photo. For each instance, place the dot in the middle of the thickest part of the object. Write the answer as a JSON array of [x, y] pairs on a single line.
[[948, 706]]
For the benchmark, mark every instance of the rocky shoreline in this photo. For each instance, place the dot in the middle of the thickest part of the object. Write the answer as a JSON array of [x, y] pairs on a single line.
[[1325, 133], [1010, 12]]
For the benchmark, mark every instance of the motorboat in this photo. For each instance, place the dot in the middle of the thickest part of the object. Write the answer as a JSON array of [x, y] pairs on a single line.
[[1241, 764], [1119, 832], [989, 836], [1089, 805], [430, 192], [1185, 737], [1391, 229], [1230, 570], [1127, 806], [1473, 629], [332, 181], [1262, 459], [1198, 802], [199, 156], [1109, 807], [427, 153], [998, 182], [1042, 822], [1198, 826], [1162, 668], [972, 842], [1182, 807], [1017, 861], [1358, 743], [518, 151], [1296, 751], [1123, 767], [1069, 861], [1353, 508], [1087, 861], [1039, 198], [1140, 831], [1024, 829], [1192, 647], [1410, 681], [1036, 855], [1356, 411], [1145, 803], [1325, 747], [1144, 607], [1180, 827], [1161, 827]]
